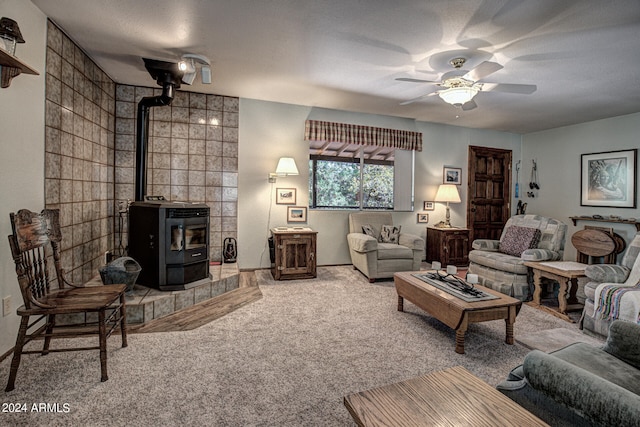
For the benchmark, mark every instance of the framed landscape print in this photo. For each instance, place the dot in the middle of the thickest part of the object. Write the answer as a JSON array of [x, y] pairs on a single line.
[[285, 196], [452, 175], [609, 179], [423, 218], [429, 206], [296, 214]]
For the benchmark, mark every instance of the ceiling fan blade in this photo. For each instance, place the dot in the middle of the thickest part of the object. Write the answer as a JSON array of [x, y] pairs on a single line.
[[509, 88], [469, 105], [482, 71], [406, 79], [411, 101]]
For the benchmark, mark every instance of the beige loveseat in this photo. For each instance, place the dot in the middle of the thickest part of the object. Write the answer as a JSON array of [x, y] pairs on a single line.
[[376, 259]]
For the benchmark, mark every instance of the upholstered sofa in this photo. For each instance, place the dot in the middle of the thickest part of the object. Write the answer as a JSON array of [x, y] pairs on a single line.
[[377, 259], [612, 292], [582, 385], [504, 270]]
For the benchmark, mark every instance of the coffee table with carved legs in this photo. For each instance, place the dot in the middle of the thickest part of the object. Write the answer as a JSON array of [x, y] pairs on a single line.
[[453, 311]]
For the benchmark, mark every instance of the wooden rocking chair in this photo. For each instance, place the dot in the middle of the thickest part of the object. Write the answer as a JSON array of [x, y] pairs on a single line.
[[34, 243]]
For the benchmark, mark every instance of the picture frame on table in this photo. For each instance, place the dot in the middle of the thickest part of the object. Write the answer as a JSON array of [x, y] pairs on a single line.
[[451, 175], [296, 214], [429, 206], [286, 196], [609, 179], [423, 218]]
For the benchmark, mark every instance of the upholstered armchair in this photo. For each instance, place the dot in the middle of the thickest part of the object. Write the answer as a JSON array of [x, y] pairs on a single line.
[[499, 264], [613, 289], [384, 250]]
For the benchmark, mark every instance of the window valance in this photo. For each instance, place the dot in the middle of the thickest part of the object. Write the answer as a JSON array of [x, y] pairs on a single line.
[[315, 130]]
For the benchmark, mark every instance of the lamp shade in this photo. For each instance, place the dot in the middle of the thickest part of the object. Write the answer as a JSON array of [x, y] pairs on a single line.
[[286, 166], [448, 193], [458, 95]]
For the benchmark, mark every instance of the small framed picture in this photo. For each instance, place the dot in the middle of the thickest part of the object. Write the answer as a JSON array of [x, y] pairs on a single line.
[[429, 206], [423, 217], [285, 196], [296, 214], [452, 175]]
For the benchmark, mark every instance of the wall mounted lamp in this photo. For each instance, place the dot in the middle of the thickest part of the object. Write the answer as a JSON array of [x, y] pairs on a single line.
[[447, 193], [286, 167]]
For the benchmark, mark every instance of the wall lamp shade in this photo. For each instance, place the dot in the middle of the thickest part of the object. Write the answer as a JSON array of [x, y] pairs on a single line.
[[286, 167], [447, 193], [458, 95]]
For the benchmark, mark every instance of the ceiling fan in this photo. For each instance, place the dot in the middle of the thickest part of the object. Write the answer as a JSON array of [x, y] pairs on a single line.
[[460, 86]]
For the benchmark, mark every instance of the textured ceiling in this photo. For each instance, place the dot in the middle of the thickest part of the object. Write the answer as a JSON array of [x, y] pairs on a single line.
[[583, 55]]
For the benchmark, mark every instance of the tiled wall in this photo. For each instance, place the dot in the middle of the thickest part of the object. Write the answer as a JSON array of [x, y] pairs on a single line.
[[79, 153], [193, 154], [90, 155]]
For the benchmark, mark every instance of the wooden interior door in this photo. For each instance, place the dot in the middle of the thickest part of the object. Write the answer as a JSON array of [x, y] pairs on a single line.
[[489, 192]]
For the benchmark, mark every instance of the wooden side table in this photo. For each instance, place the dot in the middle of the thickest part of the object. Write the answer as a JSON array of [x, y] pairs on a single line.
[[450, 246], [566, 273], [295, 253]]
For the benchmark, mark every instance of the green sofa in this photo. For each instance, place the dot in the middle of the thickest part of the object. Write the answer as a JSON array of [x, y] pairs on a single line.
[[582, 385]]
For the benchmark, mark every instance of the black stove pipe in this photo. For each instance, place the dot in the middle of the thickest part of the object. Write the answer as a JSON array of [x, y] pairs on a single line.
[[142, 134]]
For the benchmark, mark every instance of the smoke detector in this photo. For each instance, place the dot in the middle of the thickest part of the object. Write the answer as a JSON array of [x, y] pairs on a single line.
[[190, 63]]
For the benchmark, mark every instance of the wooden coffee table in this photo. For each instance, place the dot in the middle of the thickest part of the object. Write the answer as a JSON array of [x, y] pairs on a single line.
[[453, 397], [453, 311]]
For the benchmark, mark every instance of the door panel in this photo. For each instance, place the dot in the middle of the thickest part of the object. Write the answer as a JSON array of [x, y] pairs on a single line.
[[489, 195]]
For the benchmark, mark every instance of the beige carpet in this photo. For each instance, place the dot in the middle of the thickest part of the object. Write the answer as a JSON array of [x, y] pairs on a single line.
[[285, 360]]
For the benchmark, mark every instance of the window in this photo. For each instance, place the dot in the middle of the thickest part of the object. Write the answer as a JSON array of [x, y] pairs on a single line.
[[350, 183], [360, 167], [349, 176]]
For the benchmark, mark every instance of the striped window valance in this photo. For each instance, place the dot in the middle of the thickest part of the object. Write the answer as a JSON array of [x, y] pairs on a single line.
[[315, 130]]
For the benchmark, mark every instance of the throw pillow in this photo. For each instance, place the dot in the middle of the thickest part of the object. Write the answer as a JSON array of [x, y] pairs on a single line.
[[518, 239], [369, 231], [390, 234]]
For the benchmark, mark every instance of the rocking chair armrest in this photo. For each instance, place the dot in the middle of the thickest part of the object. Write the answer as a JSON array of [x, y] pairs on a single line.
[[39, 304], [73, 285]]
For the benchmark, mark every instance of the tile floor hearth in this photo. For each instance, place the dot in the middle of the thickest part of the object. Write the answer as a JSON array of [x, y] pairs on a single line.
[[148, 304]]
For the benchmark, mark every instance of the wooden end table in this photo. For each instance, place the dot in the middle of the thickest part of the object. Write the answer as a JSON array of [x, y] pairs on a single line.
[[453, 311], [567, 274], [453, 397]]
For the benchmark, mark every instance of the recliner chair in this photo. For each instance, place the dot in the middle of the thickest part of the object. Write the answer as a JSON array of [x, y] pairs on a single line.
[[376, 259]]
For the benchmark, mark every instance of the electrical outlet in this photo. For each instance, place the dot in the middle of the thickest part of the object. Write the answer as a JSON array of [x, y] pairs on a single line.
[[6, 305]]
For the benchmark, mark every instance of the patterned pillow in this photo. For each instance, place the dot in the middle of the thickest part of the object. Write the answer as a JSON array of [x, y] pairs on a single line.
[[390, 234], [518, 239], [369, 231]]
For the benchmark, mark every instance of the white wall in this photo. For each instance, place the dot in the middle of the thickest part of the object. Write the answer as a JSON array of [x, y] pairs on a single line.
[[22, 142], [558, 152], [268, 131]]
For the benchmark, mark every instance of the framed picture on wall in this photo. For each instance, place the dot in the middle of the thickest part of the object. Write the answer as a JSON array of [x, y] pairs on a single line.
[[429, 206], [296, 214], [285, 196], [609, 179], [452, 175], [423, 218]]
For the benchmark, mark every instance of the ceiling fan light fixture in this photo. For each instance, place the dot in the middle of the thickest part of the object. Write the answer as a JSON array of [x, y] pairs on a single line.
[[458, 95]]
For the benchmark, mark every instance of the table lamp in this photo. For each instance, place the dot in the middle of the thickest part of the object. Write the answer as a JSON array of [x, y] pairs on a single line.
[[447, 193]]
